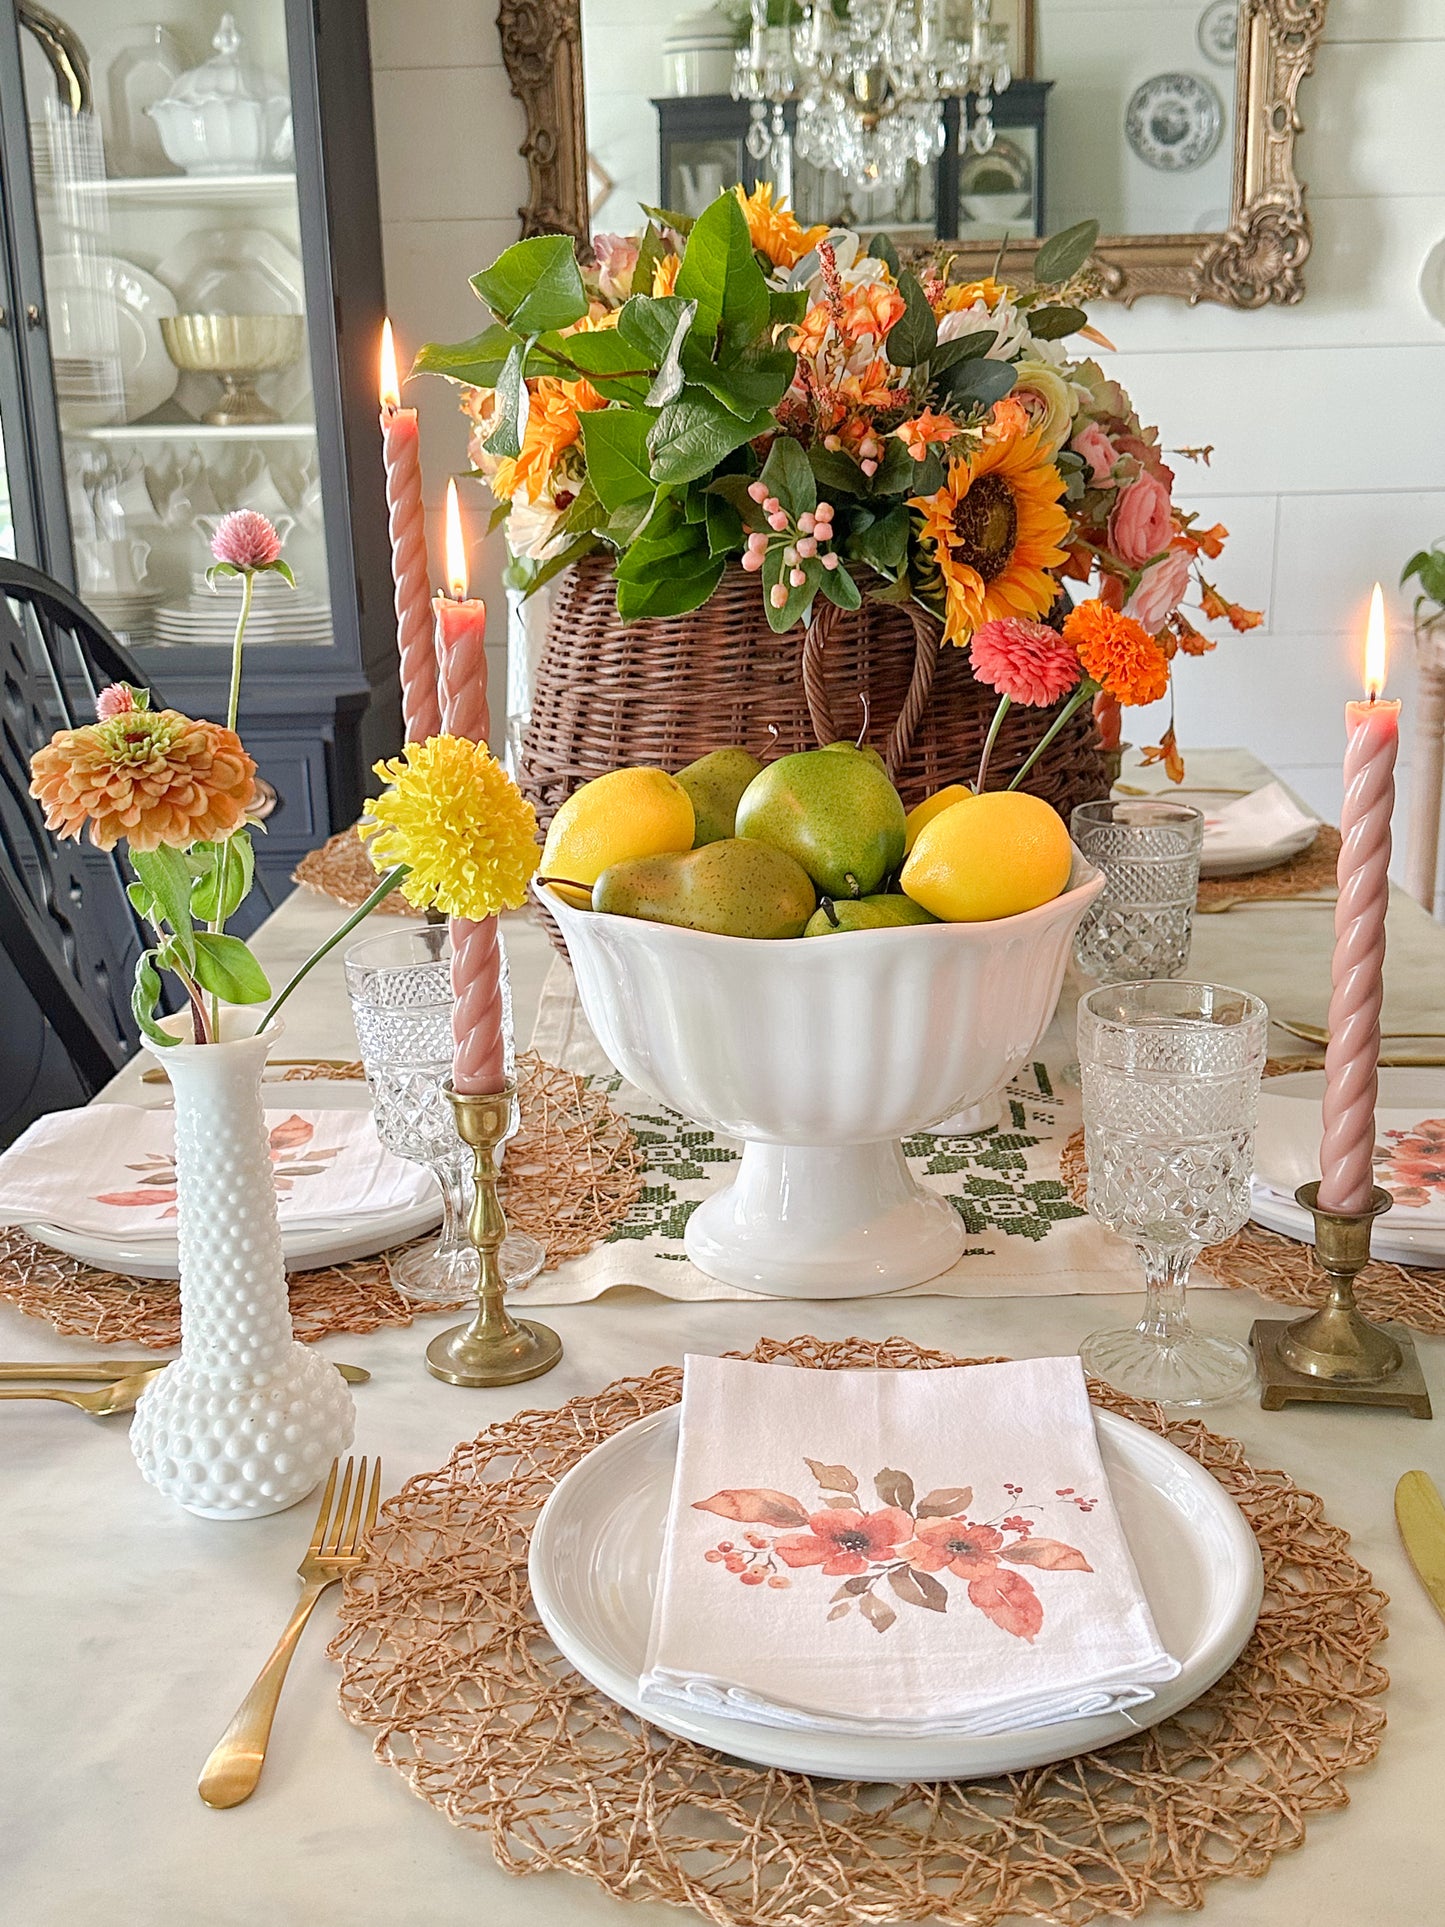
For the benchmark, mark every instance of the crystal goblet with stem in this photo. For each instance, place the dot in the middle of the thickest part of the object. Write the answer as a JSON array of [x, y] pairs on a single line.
[[401, 1003], [1170, 1075]]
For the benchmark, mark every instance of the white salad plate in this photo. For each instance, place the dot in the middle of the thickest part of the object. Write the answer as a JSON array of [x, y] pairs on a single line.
[[597, 1547], [1393, 1240], [316, 1245], [106, 310], [1240, 859]]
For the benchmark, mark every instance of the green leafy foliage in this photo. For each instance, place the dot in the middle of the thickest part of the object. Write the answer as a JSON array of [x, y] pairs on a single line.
[[786, 306], [145, 999], [1427, 569], [978, 383], [614, 441], [534, 285], [914, 335], [719, 272], [506, 436], [788, 474], [695, 432], [224, 874], [225, 967], [881, 542], [882, 249], [613, 366], [961, 348], [478, 360], [1053, 323], [167, 880], [667, 383], [1062, 255], [758, 378]]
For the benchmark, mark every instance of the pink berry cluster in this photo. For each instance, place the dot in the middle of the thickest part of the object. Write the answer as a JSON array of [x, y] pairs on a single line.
[[802, 540], [1074, 1498], [869, 451], [753, 1562], [1016, 1522]]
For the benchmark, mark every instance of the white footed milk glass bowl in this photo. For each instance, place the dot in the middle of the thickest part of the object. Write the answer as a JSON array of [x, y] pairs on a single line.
[[821, 1053], [401, 1003]]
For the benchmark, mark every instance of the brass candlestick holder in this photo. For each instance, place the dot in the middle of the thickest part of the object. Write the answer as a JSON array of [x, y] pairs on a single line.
[[495, 1348], [1336, 1356]]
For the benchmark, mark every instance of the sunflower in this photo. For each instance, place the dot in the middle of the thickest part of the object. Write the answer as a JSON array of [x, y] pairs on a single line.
[[996, 528], [452, 814], [775, 230]]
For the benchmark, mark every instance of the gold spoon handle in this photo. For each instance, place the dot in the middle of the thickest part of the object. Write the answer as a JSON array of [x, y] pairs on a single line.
[[234, 1768], [47, 1391]]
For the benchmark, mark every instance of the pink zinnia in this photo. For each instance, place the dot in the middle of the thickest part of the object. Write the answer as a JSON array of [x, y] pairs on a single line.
[[116, 699], [246, 540], [1026, 661]]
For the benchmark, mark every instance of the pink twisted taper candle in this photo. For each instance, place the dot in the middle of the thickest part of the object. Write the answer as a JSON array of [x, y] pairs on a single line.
[[421, 712], [1347, 1148]]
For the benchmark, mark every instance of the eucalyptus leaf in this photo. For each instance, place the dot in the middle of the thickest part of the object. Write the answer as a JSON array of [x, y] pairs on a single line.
[[1053, 323], [914, 335], [226, 968], [961, 348], [614, 441], [930, 474], [897, 471], [695, 432], [1063, 254], [534, 285], [882, 249], [840, 587], [835, 472], [979, 381]]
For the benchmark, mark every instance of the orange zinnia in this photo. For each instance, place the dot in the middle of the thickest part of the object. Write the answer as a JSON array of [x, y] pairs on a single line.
[[1118, 653], [152, 777]]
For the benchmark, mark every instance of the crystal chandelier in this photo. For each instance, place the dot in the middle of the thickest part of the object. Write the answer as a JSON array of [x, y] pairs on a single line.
[[869, 85]]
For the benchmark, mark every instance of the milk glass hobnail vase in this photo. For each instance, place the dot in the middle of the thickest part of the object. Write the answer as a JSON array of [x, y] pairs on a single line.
[[401, 1003], [246, 1420], [1170, 1075]]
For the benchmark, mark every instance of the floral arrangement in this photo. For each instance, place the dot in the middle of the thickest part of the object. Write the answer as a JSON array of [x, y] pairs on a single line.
[[179, 793], [740, 388]]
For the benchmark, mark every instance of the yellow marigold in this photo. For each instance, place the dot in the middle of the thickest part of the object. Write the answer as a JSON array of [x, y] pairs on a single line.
[[774, 230], [1119, 653], [467, 834], [664, 274], [959, 295], [151, 776], [553, 408], [996, 529]]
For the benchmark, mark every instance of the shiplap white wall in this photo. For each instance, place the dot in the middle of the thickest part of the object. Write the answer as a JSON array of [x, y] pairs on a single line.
[[1327, 419]]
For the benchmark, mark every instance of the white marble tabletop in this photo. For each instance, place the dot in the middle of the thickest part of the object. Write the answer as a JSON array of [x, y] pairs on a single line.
[[129, 1630]]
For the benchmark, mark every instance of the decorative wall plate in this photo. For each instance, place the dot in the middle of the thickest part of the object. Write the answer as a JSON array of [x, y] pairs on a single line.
[[1174, 121], [1218, 31]]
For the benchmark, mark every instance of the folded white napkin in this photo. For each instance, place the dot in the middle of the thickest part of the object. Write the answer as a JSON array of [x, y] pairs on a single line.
[[108, 1170], [896, 1553], [1264, 820], [1409, 1156]]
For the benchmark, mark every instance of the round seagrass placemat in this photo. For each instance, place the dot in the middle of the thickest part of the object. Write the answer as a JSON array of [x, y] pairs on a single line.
[[442, 1654], [342, 870], [1312, 870], [572, 1173], [1281, 1268]]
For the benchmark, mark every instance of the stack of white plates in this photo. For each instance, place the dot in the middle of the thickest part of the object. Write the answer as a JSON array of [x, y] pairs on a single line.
[[208, 619], [125, 614]]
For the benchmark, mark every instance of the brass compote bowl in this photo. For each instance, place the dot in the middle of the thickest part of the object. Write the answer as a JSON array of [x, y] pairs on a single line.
[[236, 348]]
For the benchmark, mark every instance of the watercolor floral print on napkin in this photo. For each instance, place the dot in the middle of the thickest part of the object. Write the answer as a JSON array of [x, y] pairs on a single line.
[[292, 1160]]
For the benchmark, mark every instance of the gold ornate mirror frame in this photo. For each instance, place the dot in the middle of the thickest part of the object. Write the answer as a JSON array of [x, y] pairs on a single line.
[[1258, 260]]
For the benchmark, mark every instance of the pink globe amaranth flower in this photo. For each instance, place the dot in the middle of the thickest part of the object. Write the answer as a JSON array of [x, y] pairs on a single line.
[[246, 540], [1026, 661], [116, 699], [1160, 590], [1140, 525]]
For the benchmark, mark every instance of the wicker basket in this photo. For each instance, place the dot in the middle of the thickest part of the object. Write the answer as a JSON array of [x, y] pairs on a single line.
[[667, 690]]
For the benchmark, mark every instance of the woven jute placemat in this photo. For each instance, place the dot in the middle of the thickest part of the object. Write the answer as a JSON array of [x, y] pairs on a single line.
[[1281, 1268], [572, 1173], [342, 870], [1313, 870], [443, 1656]]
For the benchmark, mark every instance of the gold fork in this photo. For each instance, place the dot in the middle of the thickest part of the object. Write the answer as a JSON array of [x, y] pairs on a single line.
[[1241, 901], [1317, 1034], [338, 1545], [119, 1397]]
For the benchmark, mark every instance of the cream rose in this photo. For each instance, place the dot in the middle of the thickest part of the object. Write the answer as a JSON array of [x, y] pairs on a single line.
[[1048, 401]]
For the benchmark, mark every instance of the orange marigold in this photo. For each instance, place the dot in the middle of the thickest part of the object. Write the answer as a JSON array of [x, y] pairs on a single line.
[[1118, 653], [151, 776]]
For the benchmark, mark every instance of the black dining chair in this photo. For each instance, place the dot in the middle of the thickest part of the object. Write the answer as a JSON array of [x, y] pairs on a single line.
[[68, 927]]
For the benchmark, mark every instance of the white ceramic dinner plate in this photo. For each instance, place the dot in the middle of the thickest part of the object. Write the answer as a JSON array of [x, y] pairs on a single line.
[[1392, 1239], [107, 310], [597, 1547], [305, 1250], [1244, 860]]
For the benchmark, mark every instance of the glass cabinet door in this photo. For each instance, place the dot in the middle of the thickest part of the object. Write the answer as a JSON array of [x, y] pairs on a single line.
[[165, 185]]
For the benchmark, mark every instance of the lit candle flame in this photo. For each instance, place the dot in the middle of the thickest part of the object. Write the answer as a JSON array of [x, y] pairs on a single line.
[[456, 548], [1375, 646], [390, 384]]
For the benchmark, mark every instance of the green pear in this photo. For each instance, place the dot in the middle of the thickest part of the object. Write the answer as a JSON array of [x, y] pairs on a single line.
[[735, 888], [715, 783], [860, 749], [838, 815], [865, 913]]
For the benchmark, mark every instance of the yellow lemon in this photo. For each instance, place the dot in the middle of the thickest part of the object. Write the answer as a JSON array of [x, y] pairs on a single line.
[[930, 807], [626, 813], [989, 856]]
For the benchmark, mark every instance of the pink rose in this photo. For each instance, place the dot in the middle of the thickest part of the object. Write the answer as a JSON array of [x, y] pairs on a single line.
[[1097, 450], [1140, 525], [616, 260], [1160, 590]]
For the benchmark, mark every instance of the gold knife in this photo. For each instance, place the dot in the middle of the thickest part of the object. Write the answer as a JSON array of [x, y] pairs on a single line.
[[103, 1370], [1420, 1515]]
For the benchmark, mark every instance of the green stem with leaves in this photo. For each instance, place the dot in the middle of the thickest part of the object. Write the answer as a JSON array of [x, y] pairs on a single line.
[[1086, 690], [383, 889]]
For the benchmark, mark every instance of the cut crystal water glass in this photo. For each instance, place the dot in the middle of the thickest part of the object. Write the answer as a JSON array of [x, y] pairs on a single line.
[[1148, 849], [401, 1003], [1170, 1076]]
